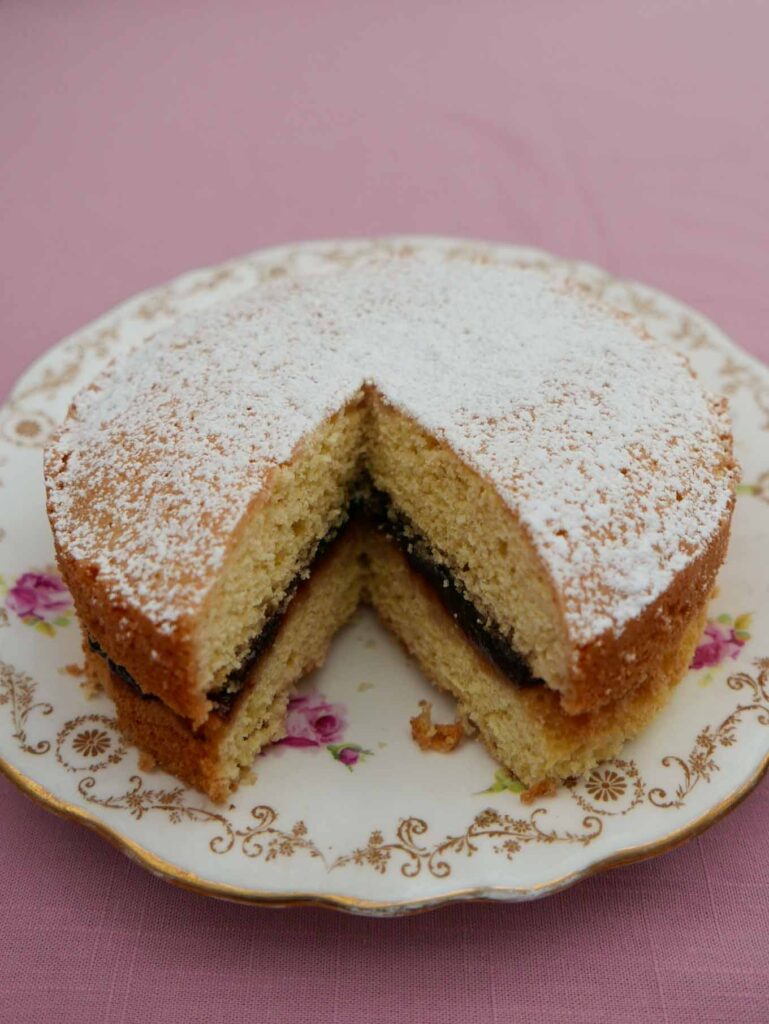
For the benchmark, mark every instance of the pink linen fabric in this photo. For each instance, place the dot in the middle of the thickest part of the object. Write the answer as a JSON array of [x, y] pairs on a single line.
[[138, 140]]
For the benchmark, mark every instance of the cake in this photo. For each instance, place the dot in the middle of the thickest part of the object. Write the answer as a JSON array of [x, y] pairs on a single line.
[[532, 493]]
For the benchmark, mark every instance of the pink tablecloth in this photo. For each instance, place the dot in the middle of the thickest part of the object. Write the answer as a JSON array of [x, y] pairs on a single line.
[[141, 139]]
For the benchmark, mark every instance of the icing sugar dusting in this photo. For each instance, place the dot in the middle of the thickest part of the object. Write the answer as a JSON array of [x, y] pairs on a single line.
[[601, 441]]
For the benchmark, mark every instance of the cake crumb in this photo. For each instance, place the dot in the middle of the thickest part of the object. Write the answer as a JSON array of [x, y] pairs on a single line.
[[147, 762], [72, 670], [539, 791], [362, 687], [431, 736], [91, 688], [247, 777]]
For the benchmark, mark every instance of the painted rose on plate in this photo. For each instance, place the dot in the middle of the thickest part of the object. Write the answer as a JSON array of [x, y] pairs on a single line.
[[40, 599], [348, 754], [722, 640], [313, 722]]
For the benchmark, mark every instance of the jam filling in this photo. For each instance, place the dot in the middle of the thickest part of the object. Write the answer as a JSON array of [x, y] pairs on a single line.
[[224, 697], [376, 509], [485, 635]]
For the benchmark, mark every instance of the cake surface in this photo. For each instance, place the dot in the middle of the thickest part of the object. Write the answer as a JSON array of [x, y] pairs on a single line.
[[567, 475]]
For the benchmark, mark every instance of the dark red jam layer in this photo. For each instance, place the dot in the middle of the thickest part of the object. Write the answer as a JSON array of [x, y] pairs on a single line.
[[377, 510], [486, 636]]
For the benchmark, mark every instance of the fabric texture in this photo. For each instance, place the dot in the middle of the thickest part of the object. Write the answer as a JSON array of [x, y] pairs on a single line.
[[140, 140]]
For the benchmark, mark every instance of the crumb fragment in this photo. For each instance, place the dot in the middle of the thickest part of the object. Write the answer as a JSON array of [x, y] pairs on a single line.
[[430, 736], [539, 791], [247, 777], [91, 688], [147, 762], [72, 670], [362, 687]]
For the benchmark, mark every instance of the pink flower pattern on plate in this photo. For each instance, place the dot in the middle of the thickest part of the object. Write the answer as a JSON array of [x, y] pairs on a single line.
[[720, 641], [40, 599], [348, 754], [312, 721]]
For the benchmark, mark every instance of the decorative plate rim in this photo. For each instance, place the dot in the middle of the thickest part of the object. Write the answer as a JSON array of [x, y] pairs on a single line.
[[194, 882]]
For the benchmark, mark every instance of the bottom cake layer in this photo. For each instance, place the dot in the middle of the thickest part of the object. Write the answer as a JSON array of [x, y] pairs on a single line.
[[523, 727]]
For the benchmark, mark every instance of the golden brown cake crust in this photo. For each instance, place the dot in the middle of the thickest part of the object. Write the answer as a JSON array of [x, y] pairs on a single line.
[[164, 663], [616, 664], [158, 731]]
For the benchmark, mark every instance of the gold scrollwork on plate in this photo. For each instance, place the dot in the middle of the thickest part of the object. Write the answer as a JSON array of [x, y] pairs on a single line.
[[613, 788], [700, 764], [89, 743], [17, 690], [503, 833], [92, 742], [139, 801], [759, 489], [260, 840], [46, 383], [26, 428], [263, 839], [737, 375]]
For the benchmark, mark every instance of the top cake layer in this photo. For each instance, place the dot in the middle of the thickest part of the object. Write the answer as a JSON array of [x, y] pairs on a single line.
[[603, 444]]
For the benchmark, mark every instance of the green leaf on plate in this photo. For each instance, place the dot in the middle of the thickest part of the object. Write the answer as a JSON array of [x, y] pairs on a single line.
[[504, 780]]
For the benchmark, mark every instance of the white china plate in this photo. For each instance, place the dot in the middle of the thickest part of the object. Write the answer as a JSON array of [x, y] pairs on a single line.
[[398, 830]]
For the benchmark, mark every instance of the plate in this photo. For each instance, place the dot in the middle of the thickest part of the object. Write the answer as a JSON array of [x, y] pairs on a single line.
[[362, 820]]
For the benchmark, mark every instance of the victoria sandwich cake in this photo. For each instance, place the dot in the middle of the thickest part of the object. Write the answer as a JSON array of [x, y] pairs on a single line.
[[533, 495]]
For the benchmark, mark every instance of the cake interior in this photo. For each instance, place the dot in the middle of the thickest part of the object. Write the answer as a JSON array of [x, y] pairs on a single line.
[[369, 509], [461, 522]]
